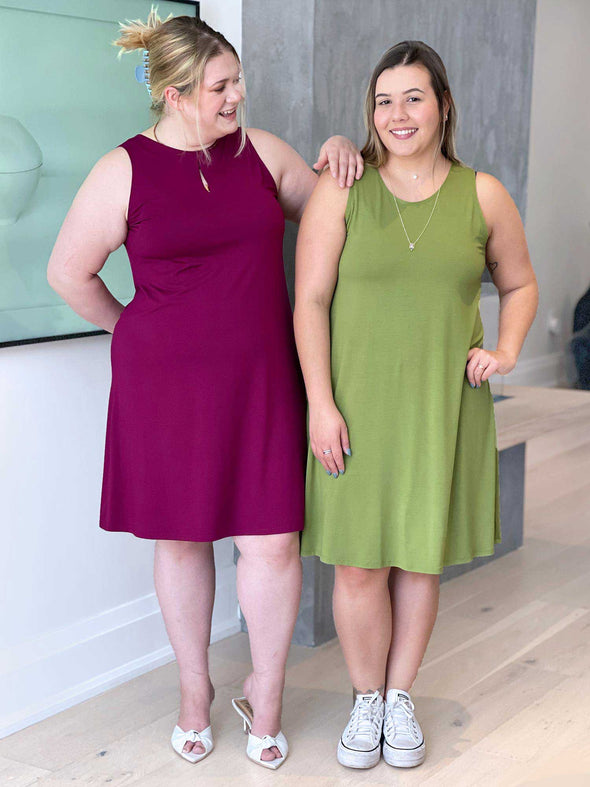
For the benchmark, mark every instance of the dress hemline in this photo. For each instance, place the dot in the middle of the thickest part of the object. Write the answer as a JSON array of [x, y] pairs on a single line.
[[397, 564], [199, 540]]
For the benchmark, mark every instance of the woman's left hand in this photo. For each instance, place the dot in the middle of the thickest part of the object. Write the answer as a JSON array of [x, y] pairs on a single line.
[[481, 364], [344, 159]]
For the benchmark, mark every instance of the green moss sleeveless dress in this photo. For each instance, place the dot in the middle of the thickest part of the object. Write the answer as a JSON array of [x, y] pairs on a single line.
[[420, 490]]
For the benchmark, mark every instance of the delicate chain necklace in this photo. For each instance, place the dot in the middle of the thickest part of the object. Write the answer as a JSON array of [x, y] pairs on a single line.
[[203, 181], [412, 244]]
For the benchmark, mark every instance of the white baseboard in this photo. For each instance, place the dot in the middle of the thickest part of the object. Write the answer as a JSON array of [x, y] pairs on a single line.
[[62, 668]]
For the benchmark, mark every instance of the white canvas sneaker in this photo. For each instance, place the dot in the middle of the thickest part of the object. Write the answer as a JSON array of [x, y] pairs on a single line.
[[360, 744], [403, 745]]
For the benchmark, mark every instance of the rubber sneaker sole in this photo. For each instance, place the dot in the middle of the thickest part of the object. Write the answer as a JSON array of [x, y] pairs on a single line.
[[404, 758], [353, 758]]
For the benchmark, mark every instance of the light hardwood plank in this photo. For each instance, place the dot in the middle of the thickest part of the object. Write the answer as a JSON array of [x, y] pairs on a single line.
[[566, 474], [546, 447], [506, 596], [472, 769], [471, 662], [564, 520], [556, 722], [18, 774], [567, 652]]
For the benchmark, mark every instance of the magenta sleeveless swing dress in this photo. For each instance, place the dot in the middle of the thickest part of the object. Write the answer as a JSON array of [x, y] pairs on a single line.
[[206, 421]]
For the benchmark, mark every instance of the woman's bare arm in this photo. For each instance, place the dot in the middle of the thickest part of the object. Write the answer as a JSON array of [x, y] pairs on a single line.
[[95, 226], [294, 179], [508, 261], [319, 244]]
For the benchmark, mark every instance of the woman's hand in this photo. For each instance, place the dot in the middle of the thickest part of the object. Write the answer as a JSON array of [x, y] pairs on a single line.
[[329, 439], [343, 158], [481, 364]]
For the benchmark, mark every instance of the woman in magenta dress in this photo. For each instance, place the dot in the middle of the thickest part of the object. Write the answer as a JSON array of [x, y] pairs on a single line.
[[206, 423]]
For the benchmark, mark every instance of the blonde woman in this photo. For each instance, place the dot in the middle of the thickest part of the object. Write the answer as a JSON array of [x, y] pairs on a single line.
[[206, 430], [402, 469]]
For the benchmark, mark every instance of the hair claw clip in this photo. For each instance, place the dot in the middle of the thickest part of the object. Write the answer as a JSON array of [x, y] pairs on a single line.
[[142, 73]]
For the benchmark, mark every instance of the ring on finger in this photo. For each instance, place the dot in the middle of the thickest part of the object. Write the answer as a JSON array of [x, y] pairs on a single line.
[[481, 366], [327, 451]]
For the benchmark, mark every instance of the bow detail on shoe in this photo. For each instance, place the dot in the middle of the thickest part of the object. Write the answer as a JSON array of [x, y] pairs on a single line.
[[257, 745], [181, 737], [268, 742]]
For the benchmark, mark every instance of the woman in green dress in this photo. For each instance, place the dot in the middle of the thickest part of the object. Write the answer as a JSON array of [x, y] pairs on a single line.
[[390, 340]]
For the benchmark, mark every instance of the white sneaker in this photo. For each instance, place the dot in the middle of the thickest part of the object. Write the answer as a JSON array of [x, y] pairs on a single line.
[[403, 745], [360, 744]]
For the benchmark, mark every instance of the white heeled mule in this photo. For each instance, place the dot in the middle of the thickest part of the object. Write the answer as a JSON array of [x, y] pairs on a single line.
[[180, 738], [257, 745]]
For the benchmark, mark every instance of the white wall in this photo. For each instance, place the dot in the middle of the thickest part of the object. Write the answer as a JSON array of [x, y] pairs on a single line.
[[225, 16], [78, 613], [558, 203]]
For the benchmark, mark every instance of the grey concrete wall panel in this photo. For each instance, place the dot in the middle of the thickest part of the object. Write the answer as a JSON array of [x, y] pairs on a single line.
[[487, 47], [315, 624], [277, 55]]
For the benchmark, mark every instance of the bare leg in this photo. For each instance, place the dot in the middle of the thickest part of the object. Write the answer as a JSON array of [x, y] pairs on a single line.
[[362, 613], [269, 590], [414, 605], [184, 574]]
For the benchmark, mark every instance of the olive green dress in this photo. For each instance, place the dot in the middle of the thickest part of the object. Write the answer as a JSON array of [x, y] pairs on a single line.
[[420, 490]]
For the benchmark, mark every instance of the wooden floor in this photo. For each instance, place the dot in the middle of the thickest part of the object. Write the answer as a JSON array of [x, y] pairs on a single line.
[[503, 694]]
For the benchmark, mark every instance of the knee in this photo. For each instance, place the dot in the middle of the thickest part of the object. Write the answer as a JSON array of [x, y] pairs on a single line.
[[181, 550], [358, 580], [415, 578], [281, 550]]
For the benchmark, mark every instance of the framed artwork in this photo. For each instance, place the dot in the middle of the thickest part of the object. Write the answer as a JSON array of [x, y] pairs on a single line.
[[66, 100]]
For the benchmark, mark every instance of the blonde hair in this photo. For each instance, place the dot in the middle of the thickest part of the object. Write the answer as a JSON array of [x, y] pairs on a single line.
[[179, 49], [407, 53]]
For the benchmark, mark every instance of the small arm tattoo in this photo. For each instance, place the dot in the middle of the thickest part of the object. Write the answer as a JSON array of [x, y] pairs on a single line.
[[491, 266]]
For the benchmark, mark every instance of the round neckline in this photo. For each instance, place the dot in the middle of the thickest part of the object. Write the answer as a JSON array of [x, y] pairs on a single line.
[[181, 150], [419, 201]]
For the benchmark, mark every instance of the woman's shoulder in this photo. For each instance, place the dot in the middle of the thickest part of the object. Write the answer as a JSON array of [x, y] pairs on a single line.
[[267, 144], [112, 169], [273, 150], [493, 196], [367, 186]]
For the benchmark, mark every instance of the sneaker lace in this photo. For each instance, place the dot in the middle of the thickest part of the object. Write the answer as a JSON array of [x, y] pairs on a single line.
[[363, 718], [400, 718]]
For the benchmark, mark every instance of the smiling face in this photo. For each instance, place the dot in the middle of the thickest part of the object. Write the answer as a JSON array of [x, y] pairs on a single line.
[[407, 116], [217, 100]]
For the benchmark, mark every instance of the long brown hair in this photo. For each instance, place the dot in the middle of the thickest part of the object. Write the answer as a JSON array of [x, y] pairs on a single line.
[[406, 53]]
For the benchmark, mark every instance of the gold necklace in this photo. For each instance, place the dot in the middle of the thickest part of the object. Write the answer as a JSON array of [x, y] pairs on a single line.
[[203, 181], [412, 244]]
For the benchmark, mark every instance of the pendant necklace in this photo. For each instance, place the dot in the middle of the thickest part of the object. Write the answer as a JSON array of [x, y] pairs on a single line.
[[412, 244], [203, 180]]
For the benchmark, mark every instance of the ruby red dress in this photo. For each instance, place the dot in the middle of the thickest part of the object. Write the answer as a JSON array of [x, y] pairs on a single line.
[[206, 421]]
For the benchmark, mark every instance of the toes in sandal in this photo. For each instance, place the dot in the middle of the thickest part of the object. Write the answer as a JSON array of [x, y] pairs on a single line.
[[180, 738], [257, 745]]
